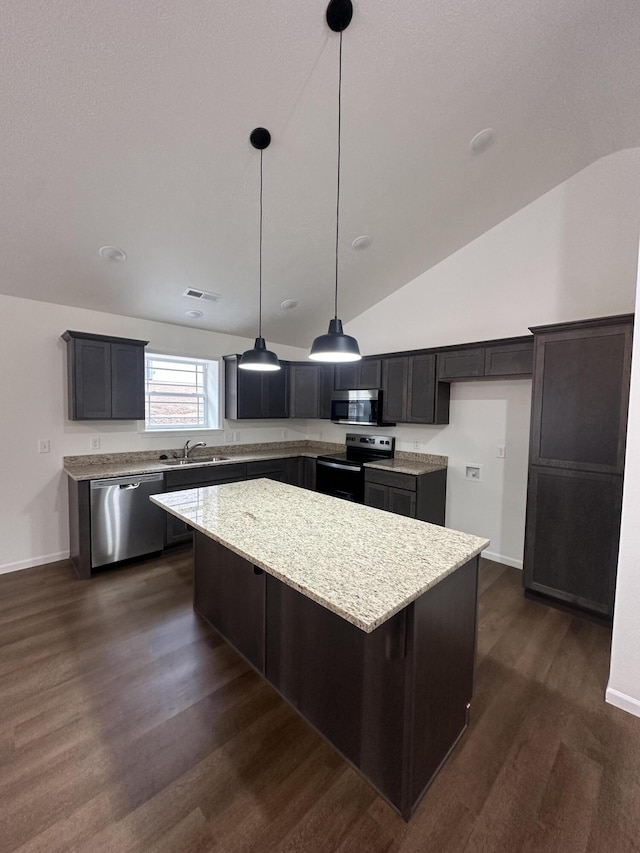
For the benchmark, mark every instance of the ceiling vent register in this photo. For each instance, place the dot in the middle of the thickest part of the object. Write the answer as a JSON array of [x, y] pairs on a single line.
[[202, 295]]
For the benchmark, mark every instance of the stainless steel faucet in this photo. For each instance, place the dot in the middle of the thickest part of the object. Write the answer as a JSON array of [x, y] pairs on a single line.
[[186, 450]]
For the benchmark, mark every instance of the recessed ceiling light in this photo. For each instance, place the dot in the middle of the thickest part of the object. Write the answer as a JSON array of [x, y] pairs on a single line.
[[483, 140], [193, 315], [288, 304], [111, 253], [362, 242]]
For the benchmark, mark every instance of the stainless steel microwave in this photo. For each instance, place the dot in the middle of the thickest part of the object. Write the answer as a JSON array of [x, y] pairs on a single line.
[[357, 407]]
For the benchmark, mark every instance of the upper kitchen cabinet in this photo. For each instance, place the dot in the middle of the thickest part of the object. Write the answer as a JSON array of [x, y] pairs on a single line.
[[252, 394], [411, 393], [581, 394], [509, 357], [105, 377], [358, 375], [310, 390]]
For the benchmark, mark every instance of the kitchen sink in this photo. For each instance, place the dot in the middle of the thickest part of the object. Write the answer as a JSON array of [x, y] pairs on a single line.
[[198, 460]]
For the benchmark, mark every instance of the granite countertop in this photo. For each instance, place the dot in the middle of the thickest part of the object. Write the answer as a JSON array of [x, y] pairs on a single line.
[[102, 466], [360, 563]]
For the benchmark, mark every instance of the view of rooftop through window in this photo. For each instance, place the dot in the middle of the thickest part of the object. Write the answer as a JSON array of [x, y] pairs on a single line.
[[180, 393]]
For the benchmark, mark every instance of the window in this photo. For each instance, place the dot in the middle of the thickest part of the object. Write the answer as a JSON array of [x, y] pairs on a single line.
[[180, 393]]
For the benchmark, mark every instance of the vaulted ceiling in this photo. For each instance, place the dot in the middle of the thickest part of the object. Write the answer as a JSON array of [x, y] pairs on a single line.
[[128, 125]]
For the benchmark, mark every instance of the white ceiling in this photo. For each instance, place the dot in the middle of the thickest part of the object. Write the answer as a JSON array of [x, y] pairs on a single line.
[[128, 124]]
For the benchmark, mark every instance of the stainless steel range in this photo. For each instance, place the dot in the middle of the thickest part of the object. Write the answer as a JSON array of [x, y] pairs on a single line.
[[342, 474]]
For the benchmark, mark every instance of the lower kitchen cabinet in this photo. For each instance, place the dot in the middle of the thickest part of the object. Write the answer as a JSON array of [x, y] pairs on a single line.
[[231, 596], [422, 496], [177, 530], [572, 536]]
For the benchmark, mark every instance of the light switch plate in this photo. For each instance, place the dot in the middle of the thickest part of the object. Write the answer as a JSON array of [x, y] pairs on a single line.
[[44, 445]]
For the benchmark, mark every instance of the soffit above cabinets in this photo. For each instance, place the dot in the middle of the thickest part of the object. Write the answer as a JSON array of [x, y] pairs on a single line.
[[128, 127]]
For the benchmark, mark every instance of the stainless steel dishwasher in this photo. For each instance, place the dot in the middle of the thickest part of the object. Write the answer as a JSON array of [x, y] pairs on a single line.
[[124, 522]]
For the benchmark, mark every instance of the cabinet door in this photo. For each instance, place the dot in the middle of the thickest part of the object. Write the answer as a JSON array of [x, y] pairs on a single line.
[[358, 375], [92, 386], [248, 390], [509, 359], [394, 386], [231, 595], [275, 393], [305, 390], [346, 376], [325, 390], [177, 531], [580, 398], [127, 382], [422, 388], [293, 471], [461, 364], [402, 502], [376, 495], [572, 535], [369, 373]]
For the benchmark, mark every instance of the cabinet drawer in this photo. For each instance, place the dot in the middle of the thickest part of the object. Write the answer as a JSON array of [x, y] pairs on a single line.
[[207, 476], [265, 468], [390, 478]]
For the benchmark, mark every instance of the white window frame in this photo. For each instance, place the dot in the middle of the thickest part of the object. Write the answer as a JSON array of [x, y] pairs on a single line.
[[214, 397]]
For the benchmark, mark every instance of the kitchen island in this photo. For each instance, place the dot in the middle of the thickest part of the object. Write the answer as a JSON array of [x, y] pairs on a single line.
[[365, 622]]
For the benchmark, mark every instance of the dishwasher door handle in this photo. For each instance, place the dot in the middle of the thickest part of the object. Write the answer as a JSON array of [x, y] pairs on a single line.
[[129, 486]]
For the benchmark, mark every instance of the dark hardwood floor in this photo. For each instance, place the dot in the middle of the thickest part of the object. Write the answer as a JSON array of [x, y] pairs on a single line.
[[127, 725]]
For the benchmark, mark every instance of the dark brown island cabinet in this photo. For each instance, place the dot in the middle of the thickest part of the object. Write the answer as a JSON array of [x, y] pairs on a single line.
[[576, 463], [393, 702], [105, 377]]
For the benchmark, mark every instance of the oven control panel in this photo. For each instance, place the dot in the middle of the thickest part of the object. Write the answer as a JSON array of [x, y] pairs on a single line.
[[371, 441]]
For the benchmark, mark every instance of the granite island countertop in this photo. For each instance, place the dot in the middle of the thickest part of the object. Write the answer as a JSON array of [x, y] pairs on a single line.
[[102, 466], [362, 564]]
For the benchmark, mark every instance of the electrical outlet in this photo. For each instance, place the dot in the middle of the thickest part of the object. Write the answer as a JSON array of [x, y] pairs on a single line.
[[502, 451], [236, 435], [473, 472], [416, 445], [94, 442], [228, 437], [44, 445], [284, 434]]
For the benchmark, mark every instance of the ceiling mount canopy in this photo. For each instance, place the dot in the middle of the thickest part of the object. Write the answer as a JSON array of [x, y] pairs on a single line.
[[335, 346], [259, 358]]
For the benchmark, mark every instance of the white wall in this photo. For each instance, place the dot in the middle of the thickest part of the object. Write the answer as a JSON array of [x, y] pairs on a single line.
[[624, 677], [483, 415], [569, 255], [33, 395]]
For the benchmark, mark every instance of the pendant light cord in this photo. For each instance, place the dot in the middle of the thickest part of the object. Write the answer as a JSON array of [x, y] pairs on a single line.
[[338, 189], [260, 267]]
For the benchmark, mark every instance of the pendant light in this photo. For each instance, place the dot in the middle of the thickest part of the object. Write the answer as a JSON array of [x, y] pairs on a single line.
[[260, 358], [335, 346]]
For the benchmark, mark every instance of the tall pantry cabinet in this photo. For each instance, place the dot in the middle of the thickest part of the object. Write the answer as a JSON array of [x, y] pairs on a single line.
[[580, 399]]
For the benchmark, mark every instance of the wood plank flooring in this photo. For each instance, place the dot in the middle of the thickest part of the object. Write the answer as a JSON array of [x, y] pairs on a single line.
[[127, 725]]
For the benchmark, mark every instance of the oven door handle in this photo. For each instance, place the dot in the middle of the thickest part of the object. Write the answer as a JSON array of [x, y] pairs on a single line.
[[324, 464]]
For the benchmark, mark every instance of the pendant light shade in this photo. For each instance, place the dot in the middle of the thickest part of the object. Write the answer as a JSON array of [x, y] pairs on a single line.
[[259, 358], [335, 346]]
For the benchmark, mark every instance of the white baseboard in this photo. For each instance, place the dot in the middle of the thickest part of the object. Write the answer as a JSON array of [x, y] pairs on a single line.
[[621, 700], [500, 558], [33, 561]]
